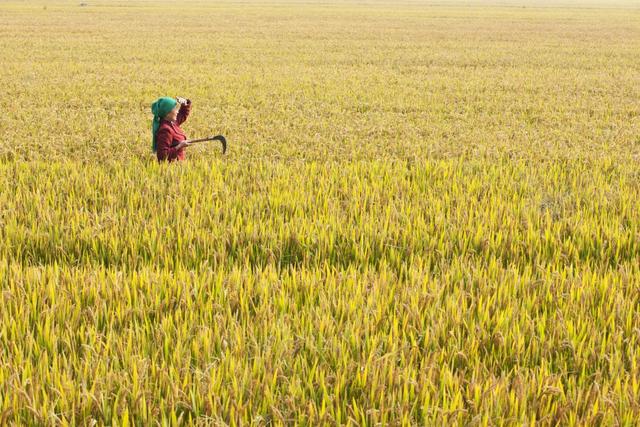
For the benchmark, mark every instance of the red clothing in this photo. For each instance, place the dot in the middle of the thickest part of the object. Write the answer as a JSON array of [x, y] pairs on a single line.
[[169, 133]]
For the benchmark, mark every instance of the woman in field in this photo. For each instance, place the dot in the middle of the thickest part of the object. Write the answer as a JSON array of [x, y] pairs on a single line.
[[169, 141]]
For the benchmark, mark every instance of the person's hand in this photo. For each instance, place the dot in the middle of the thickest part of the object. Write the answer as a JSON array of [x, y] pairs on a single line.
[[182, 145], [183, 101]]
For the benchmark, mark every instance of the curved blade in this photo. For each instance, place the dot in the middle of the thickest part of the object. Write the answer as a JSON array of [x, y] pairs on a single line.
[[223, 140]]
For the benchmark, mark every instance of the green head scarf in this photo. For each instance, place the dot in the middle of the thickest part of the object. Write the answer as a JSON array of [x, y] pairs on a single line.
[[160, 108]]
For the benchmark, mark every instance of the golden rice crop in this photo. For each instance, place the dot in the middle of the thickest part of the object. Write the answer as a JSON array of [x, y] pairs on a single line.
[[428, 214]]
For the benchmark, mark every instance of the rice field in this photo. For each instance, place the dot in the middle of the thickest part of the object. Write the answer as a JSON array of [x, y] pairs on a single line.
[[428, 213]]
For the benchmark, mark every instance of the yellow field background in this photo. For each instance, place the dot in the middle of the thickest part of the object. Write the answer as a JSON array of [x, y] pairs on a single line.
[[318, 81], [428, 214]]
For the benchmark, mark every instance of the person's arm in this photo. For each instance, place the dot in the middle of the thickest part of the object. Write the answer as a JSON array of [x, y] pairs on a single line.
[[163, 146], [185, 109]]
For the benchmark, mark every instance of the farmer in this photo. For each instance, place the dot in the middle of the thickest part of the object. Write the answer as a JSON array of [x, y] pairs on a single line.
[[169, 141]]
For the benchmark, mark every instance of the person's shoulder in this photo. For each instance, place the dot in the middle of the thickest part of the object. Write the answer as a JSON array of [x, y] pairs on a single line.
[[165, 126]]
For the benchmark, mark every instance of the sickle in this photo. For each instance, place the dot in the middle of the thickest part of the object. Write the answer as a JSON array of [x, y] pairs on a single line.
[[220, 138]]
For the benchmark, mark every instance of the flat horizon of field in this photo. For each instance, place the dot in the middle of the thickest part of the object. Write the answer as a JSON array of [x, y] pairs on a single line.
[[630, 4]]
